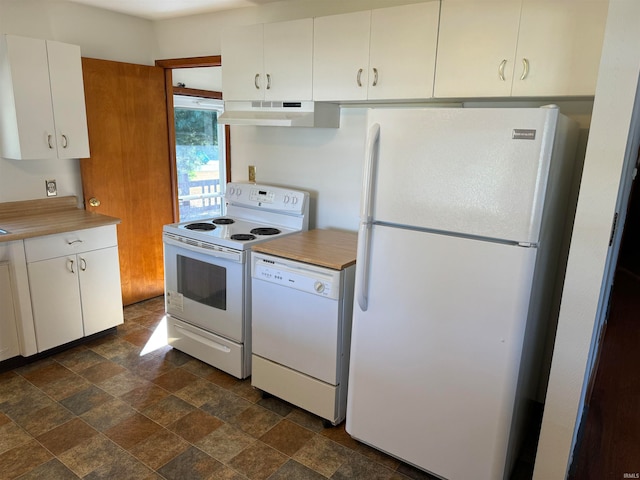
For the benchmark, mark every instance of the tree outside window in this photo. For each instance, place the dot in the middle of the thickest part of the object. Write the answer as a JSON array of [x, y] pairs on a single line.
[[199, 157]]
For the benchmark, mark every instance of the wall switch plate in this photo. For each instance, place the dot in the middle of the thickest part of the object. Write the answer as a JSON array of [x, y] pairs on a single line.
[[252, 173], [52, 188]]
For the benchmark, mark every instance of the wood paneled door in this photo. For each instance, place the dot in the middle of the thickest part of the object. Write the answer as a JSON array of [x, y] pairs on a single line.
[[128, 174]]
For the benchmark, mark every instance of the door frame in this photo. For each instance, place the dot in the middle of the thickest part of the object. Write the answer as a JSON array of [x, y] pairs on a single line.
[[188, 62]]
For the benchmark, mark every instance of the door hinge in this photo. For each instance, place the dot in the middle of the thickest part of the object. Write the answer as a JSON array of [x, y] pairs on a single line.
[[613, 228]]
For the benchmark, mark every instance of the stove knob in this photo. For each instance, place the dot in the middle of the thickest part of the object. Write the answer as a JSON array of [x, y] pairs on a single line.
[[318, 286], [238, 192], [286, 199], [232, 190], [294, 200]]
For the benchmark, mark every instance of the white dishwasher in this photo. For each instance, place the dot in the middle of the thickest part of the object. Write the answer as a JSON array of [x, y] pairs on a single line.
[[301, 320]]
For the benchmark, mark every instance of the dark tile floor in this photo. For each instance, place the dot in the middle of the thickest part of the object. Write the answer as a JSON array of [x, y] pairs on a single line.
[[110, 410]]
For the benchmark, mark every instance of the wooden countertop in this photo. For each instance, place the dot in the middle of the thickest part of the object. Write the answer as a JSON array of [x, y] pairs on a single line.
[[327, 248], [35, 218]]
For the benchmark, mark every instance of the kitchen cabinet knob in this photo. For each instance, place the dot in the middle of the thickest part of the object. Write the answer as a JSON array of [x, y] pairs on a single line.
[[70, 266], [375, 77], [501, 70], [83, 264], [65, 141], [94, 202], [49, 141], [255, 81], [359, 78], [525, 68], [268, 81]]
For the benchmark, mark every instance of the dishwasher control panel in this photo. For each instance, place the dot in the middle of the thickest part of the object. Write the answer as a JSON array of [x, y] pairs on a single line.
[[292, 274]]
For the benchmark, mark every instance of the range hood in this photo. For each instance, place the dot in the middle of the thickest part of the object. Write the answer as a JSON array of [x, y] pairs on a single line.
[[281, 114]]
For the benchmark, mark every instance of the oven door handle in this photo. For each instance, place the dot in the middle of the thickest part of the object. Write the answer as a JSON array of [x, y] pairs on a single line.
[[218, 252], [206, 341]]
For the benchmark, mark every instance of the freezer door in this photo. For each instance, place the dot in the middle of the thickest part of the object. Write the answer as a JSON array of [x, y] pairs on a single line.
[[461, 169], [435, 357]]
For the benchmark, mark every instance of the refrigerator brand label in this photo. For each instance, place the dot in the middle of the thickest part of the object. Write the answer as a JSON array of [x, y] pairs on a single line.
[[523, 134]]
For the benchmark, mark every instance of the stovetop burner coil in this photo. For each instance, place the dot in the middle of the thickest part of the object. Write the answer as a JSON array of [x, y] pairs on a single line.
[[205, 227], [243, 236], [265, 231], [223, 221]]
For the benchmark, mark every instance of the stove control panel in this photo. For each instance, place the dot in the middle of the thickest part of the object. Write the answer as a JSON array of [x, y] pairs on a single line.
[[266, 196]]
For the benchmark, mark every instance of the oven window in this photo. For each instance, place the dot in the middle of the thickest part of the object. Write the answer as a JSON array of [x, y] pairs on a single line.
[[202, 282]]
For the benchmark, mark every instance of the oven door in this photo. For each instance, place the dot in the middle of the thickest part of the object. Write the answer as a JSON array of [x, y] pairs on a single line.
[[205, 287]]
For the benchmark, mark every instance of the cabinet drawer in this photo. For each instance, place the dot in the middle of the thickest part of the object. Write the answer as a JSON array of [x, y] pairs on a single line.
[[69, 243]]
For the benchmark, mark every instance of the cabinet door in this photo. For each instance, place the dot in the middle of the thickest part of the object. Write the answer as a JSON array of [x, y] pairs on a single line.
[[9, 346], [561, 41], [341, 56], [67, 96], [403, 51], [55, 299], [242, 70], [288, 60], [100, 289], [476, 48], [28, 130]]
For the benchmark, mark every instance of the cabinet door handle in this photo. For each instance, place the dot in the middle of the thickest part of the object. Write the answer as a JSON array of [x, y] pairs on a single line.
[[49, 141], [268, 81], [83, 264], [70, 266], [359, 78], [255, 81], [375, 77], [501, 70], [525, 68], [65, 141], [74, 241]]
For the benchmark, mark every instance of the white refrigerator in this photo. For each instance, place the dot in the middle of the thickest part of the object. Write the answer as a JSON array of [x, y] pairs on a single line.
[[462, 219]]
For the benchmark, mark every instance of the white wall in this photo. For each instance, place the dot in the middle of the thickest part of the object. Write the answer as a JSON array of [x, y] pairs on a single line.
[[199, 35], [608, 138], [327, 162], [100, 34]]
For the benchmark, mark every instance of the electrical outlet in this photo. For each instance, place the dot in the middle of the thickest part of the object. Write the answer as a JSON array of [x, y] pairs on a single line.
[[52, 188], [252, 173]]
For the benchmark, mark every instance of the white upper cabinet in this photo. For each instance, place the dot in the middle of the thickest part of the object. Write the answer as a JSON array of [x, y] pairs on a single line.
[[560, 44], [42, 95], [519, 48], [271, 61], [386, 53]]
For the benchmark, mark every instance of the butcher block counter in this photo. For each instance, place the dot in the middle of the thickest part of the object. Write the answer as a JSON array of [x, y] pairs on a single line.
[[35, 218], [326, 248]]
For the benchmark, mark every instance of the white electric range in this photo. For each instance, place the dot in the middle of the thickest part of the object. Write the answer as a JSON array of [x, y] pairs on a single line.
[[207, 273]]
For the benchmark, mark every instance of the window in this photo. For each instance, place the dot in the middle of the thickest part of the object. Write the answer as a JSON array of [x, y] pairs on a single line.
[[200, 157]]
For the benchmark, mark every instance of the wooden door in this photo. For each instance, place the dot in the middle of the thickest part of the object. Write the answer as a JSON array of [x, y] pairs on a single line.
[[129, 168]]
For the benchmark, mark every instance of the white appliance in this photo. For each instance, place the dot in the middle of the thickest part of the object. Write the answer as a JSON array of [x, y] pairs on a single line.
[[301, 333], [207, 276], [463, 212]]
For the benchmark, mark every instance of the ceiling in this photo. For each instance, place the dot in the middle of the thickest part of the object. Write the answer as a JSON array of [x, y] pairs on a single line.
[[163, 9]]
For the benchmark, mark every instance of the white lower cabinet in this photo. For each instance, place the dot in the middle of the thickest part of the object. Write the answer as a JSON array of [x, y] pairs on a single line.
[[77, 293], [9, 346]]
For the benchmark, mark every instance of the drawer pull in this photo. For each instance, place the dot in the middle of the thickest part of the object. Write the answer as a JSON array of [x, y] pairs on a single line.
[[74, 241]]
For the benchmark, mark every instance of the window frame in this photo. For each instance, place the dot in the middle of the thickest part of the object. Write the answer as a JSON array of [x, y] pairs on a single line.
[[185, 102], [189, 62]]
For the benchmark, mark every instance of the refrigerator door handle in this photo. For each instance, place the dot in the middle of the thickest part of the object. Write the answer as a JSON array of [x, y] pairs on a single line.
[[362, 268], [366, 214], [366, 201]]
